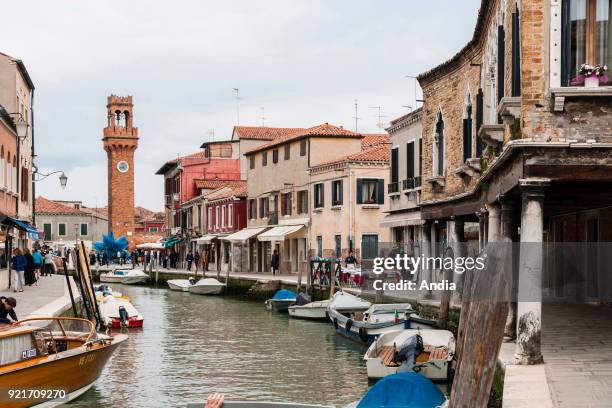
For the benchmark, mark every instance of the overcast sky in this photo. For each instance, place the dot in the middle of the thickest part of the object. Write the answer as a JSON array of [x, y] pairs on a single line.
[[304, 61]]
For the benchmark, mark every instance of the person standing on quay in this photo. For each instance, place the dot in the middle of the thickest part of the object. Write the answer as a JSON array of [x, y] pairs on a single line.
[[274, 262], [18, 264], [30, 270], [196, 260], [38, 262], [48, 264]]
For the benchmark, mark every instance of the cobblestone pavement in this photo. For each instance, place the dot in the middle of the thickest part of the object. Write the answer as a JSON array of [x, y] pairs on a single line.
[[577, 350]]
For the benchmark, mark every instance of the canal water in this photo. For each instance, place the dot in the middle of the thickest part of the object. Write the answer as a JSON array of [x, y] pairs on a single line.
[[192, 345]]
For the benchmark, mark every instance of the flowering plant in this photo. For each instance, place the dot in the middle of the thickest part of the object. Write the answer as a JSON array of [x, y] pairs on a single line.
[[592, 70]]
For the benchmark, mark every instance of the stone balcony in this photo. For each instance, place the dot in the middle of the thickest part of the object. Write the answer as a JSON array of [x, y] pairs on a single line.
[[492, 135], [509, 108]]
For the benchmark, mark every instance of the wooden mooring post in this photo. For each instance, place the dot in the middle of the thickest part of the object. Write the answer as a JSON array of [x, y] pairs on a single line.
[[481, 328]]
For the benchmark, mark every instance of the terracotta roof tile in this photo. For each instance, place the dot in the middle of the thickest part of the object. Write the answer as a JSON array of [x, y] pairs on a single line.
[[45, 206], [171, 163], [377, 153], [214, 184], [262, 132], [373, 139], [324, 129], [239, 190]]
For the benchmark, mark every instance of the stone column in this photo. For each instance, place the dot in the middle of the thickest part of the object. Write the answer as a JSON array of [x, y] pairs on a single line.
[[482, 232], [426, 252], [529, 313], [494, 222], [507, 234], [455, 239]]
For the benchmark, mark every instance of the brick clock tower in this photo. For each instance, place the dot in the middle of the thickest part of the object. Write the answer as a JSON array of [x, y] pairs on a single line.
[[120, 142]]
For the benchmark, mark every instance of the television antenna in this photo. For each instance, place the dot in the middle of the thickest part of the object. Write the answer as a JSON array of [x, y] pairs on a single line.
[[380, 123], [263, 116], [416, 83], [356, 117], [238, 98], [211, 135]]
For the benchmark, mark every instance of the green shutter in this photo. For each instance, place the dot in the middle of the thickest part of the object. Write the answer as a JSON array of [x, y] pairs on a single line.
[[84, 231], [359, 191], [380, 191], [341, 198], [61, 231], [47, 231]]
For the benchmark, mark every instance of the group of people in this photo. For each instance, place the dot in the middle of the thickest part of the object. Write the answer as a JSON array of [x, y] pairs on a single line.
[[27, 266]]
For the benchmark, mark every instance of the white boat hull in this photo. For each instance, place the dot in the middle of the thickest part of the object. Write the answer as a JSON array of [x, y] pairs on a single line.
[[181, 285], [111, 278], [314, 310], [134, 280], [279, 305], [207, 286]]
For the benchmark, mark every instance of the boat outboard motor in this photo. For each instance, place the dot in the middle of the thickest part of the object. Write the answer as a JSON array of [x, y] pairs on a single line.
[[409, 350], [123, 316], [192, 280]]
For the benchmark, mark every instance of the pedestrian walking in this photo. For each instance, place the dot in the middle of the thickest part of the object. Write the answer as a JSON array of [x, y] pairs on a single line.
[[38, 262], [18, 264], [92, 258], [30, 271], [189, 260], [48, 267], [196, 259], [274, 262]]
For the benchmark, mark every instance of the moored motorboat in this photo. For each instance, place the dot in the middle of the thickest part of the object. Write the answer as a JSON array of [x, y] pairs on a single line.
[[263, 404], [117, 313], [378, 319], [207, 286], [101, 291], [56, 353], [125, 276], [181, 285], [430, 352], [406, 390], [342, 301], [281, 300]]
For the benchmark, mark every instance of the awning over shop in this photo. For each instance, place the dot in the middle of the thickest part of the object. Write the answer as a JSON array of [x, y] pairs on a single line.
[[244, 234], [279, 233], [206, 239], [150, 245], [402, 219], [23, 226], [171, 242]]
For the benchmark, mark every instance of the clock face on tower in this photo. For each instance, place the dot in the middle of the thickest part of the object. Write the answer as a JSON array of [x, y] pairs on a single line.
[[123, 166]]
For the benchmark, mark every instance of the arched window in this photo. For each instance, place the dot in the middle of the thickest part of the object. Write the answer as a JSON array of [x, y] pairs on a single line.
[[467, 129], [438, 146], [126, 116]]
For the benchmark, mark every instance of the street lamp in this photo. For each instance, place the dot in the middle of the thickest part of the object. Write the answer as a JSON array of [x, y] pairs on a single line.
[[21, 125], [41, 176]]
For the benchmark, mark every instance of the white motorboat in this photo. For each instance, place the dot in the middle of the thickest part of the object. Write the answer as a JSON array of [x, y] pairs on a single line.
[[181, 285], [430, 352], [118, 312], [125, 276], [378, 319], [207, 286], [342, 301]]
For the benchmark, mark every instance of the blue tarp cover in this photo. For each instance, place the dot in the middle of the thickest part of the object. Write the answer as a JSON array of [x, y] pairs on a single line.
[[284, 294], [22, 225], [403, 390]]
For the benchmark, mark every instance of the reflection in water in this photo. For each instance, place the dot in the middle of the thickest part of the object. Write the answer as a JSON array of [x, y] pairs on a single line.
[[193, 345]]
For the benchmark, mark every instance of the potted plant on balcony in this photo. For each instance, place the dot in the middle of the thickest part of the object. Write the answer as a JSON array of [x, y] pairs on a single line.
[[591, 75]]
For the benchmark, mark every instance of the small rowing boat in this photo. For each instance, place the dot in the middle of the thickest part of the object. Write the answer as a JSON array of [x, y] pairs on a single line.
[[125, 276], [341, 301]]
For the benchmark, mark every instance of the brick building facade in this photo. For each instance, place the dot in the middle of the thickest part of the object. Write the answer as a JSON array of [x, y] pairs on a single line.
[[120, 142]]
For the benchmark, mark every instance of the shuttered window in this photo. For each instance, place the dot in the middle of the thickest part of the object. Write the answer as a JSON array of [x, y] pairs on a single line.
[[47, 231], [501, 64], [370, 191], [287, 151], [516, 54], [275, 156], [479, 118], [394, 165], [264, 159], [410, 160], [467, 133], [337, 192], [318, 195], [369, 246], [303, 147]]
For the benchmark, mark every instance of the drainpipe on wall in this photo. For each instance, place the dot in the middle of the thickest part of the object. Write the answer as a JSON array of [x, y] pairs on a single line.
[[33, 156], [351, 240]]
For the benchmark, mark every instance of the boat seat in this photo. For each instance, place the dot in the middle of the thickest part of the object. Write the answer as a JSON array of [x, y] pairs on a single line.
[[432, 353], [386, 355]]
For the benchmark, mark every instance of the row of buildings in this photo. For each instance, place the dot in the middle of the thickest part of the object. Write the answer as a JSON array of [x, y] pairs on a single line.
[[17, 170], [509, 145], [302, 192]]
